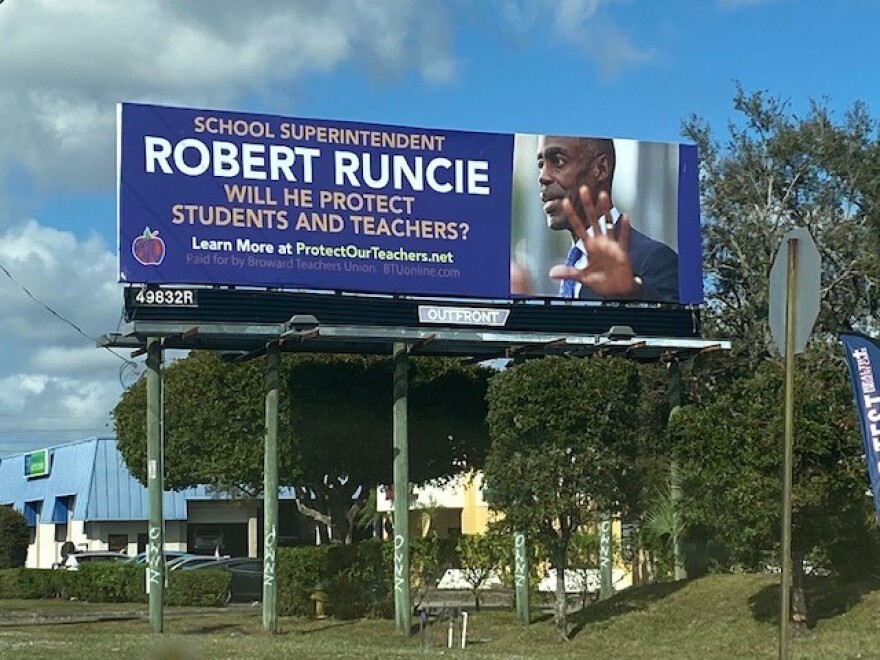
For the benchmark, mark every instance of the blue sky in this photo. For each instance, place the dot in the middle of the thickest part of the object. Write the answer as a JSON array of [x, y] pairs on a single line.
[[618, 68]]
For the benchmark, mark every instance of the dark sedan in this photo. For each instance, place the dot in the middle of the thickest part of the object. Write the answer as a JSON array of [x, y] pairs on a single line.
[[246, 576]]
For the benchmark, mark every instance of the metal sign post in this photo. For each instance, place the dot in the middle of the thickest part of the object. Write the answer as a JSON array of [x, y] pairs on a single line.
[[790, 326], [799, 298]]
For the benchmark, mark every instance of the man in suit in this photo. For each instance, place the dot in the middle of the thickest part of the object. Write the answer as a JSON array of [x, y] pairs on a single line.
[[608, 260]]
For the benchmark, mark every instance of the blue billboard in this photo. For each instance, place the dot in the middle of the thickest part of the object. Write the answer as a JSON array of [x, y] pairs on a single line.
[[228, 198]]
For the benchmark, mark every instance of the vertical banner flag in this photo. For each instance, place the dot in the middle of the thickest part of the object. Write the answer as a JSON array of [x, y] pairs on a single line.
[[863, 358]]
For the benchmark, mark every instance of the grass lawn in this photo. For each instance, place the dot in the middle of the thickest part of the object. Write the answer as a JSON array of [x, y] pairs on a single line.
[[722, 616]]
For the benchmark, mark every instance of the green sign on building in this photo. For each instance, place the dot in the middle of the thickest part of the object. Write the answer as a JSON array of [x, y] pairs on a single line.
[[36, 464]]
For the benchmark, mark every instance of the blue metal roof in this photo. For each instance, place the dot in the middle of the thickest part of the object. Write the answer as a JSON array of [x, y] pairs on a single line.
[[94, 472]]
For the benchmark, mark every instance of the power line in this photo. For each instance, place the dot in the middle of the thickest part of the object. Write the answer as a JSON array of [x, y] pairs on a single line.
[[27, 431], [62, 318], [9, 416]]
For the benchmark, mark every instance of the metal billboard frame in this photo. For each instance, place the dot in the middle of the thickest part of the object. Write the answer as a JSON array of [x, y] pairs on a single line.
[[291, 322]]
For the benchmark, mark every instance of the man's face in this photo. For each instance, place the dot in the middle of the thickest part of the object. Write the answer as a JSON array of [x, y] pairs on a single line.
[[564, 165]]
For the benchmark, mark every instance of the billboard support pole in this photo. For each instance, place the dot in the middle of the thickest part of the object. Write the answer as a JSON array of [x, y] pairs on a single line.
[[606, 576], [674, 477], [402, 605], [521, 576], [155, 486], [270, 490]]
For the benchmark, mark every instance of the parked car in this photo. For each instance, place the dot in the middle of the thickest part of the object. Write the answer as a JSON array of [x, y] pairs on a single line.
[[208, 537], [141, 557], [187, 563], [246, 576], [75, 559]]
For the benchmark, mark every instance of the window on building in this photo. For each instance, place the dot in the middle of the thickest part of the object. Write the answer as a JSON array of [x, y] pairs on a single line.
[[32, 512], [141, 543], [63, 509], [117, 542]]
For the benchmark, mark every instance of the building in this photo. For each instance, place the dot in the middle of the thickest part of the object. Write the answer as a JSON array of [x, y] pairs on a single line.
[[458, 506], [442, 508], [83, 492]]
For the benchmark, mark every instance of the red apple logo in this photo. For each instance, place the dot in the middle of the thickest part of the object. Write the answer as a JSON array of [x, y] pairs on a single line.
[[148, 248]]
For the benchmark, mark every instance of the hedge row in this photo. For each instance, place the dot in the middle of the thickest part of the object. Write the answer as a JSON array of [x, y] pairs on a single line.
[[105, 582], [357, 580]]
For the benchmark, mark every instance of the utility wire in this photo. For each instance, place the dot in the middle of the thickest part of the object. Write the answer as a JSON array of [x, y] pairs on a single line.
[[26, 431], [8, 416], [128, 362]]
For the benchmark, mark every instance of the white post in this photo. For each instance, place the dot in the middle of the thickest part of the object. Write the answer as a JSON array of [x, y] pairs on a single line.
[[464, 618]]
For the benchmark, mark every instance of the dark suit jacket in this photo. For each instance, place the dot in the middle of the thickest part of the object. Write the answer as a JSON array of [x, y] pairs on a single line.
[[656, 263]]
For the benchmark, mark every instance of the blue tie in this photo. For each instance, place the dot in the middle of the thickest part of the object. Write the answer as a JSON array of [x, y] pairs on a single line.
[[566, 287]]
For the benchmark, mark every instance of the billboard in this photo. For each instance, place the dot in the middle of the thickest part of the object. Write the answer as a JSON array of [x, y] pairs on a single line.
[[228, 198]]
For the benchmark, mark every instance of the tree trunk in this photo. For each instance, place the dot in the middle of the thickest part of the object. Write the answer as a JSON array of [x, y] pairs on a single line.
[[324, 521], [351, 520], [798, 601], [560, 612], [650, 570]]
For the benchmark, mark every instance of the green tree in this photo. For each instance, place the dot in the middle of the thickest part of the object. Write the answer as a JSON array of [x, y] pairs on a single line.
[[778, 170], [730, 458], [14, 538], [584, 562], [481, 555], [334, 427], [563, 446]]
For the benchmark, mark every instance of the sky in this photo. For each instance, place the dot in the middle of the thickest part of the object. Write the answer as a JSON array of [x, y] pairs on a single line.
[[615, 68]]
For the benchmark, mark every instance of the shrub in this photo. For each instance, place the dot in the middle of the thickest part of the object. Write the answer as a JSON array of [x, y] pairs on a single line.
[[360, 582], [299, 571], [428, 560], [9, 585], [205, 588], [481, 555], [14, 538], [356, 578], [33, 583], [108, 582]]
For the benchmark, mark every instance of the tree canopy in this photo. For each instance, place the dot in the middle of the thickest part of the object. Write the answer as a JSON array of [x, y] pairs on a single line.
[[777, 171], [730, 453], [335, 424], [564, 444]]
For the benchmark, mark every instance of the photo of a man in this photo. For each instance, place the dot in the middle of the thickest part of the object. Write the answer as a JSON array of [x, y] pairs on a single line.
[[608, 259], [610, 251]]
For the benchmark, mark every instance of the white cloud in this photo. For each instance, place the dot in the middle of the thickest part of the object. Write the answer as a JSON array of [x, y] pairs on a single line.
[[42, 410], [584, 24], [58, 385], [75, 360], [66, 64], [75, 278]]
